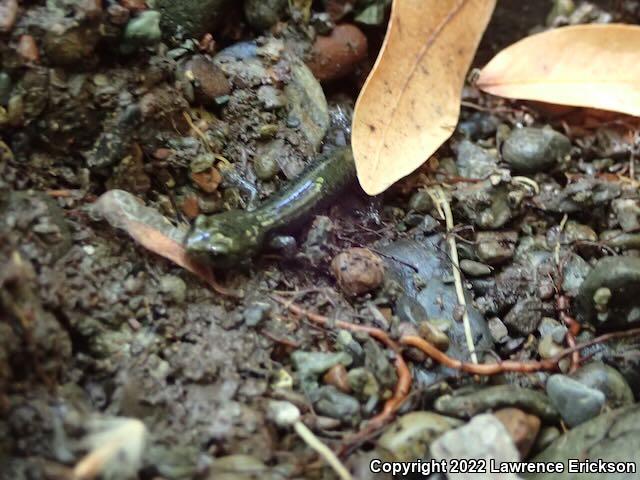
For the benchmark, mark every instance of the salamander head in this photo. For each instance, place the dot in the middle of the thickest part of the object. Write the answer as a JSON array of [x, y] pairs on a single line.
[[225, 240]]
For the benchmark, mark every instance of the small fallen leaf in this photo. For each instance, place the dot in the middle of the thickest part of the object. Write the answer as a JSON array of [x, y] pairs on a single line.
[[411, 101], [594, 66]]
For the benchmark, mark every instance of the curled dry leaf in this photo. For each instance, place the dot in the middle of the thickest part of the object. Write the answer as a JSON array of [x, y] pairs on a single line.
[[411, 101], [594, 66]]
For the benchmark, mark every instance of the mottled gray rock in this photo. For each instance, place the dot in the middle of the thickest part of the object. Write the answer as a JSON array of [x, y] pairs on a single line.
[[621, 275], [576, 402], [494, 248], [525, 315], [194, 18], [485, 437], [311, 364], [409, 437], [474, 161], [530, 150], [608, 380], [613, 437], [329, 401]]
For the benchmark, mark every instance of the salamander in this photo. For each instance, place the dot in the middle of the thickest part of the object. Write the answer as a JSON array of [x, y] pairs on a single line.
[[232, 238]]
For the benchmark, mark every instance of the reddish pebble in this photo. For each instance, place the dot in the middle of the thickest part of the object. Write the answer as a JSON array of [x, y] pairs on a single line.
[[337, 376], [522, 427], [162, 153], [358, 270], [28, 49], [208, 181], [338, 54], [134, 5], [8, 14], [190, 207]]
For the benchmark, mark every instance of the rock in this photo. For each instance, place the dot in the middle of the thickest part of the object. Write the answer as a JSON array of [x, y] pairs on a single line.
[[485, 437], [576, 402], [548, 347], [522, 427], [265, 162], [208, 180], [256, 313], [193, 18], [469, 404], [209, 81], [175, 287], [475, 269], [474, 161], [312, 364], [331, 402], [420, 202], [529, 150], [346, 343], [28, 49], [621, 275], [142, 31], [8, 15], [338, 54], [263, 14], [574, 272], [611, 437], [495, 248], [498, 330], [271, 98], [358, 271], [608, 380], [487, 206], [432, 334], [525, 316], [363, 383], [337, 376], [70, 44], [410, 436], [628, 213]]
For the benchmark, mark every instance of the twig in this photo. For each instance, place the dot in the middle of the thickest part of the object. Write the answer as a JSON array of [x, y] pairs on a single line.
[[324, 451], [445, 210]]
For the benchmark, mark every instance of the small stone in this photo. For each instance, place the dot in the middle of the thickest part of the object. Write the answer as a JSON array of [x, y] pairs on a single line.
[[8, 14], [608, 380], [192, 18], [28, 49], [263, 14], [311, 364], [432, 334], [337, 376], [68, 46], [529, 150], [208, 180], [142, 30], [525, 316], [265, 163], [346, 343], [363, 383], [337, 55], [190, 206], [628, 213], [256, 313], [208, 79], [495, 248], [283, 414], [421, 202], [358, 271], [475, 269], [474, 161], [576, 402], [410, 436], [522, 427], [335, 404], [175, 287], [498, 330], [548, 348]]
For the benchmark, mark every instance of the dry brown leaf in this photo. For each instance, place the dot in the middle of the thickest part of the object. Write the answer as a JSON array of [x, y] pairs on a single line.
[[594, 66], [411, 101]]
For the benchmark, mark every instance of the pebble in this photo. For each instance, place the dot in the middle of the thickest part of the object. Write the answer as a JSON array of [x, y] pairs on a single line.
[[491, 398], [311, 364], [548, 347], [525, 316], [628, 214], [8, 14], [434, 335], [208, 79], [271, 98], [265, 162], [608, 380], [337, 376], [68, 46], [522, 427], [346, 343], [621, 275], [484, 437], [498, 330], [337, 55], [263, 14], [494, 248], [28, 49], [474, 161], [358, 271], [141, 31], [363, 383], [576, 402], [475, 269], [256, 313], [421, 202], [175, 287], [208, 180], [333, 403], [410, 436], [530, 150], [194, 18]]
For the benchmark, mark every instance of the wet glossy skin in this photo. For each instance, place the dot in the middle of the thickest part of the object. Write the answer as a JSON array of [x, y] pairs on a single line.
[[232, 238]]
